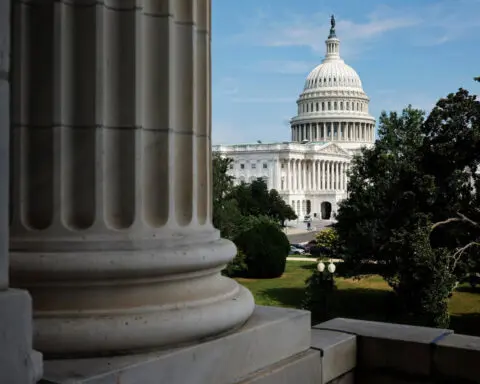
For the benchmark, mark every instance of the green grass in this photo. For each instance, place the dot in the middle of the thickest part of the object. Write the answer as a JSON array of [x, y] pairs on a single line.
[[366, 299]]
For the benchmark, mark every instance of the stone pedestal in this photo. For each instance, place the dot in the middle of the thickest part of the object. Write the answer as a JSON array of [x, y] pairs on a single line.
[[272, 347], [111, 227]]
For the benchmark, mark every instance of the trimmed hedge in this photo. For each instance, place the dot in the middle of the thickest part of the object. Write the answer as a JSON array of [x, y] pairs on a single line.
[[266, 249]]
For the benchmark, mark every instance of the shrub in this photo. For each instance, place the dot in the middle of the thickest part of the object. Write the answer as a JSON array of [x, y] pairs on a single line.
[[266, 249], [319, 287], [327, 237], [237, 267]]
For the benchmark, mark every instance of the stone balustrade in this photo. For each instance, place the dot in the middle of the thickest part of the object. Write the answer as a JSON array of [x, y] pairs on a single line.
[[355, 351]]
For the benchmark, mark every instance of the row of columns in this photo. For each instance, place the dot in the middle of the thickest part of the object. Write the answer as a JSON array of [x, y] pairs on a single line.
[[111, 227], [315, 175], [333, 131]]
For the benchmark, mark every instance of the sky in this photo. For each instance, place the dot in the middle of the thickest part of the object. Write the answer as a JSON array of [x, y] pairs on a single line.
[[405, 51]]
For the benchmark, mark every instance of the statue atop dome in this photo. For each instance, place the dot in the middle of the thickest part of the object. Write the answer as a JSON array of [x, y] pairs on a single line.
[[332, 27]]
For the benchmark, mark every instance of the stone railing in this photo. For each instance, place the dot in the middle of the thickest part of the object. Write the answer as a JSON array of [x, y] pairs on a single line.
[[354, 351]]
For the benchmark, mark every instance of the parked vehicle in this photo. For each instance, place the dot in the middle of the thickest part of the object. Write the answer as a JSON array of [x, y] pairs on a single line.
[[299, 246], [296, 251]]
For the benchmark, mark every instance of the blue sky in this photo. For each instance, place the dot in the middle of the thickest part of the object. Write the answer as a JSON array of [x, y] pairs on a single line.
[[405, 51]]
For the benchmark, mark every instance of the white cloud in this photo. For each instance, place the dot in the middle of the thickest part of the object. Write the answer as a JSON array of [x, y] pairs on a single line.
[[285, 67], [426, 24], [227, 86], [298, 30], [262, 100]]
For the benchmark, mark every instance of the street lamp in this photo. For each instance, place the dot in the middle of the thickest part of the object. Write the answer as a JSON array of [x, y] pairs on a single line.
[[331, 267], [326, 285]]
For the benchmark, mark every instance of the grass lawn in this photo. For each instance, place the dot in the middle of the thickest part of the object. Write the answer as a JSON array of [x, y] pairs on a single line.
[[365, 299]]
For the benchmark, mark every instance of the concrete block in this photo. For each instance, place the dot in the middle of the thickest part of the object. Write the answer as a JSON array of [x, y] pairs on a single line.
[[391, 346], [304, 368], [270, 336], [339, 352], [19, 364], [458, 357]]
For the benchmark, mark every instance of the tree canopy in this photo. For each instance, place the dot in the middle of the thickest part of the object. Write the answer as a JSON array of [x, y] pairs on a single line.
[[419, 172]]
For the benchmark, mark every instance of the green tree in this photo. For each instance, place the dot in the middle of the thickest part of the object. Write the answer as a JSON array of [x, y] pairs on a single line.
[[420, 171], [255, 199], [224, 210], [280, 211]]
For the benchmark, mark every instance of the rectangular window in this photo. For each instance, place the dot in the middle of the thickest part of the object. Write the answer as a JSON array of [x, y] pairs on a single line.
[[264, 165], [254, 166], [242, 166], [231, 166], [283, 165]]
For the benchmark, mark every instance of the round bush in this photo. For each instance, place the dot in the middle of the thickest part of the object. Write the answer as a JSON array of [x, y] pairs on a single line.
[[266, 249]]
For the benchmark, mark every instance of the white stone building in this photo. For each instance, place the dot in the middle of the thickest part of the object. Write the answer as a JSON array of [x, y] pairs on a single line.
[[331, 125]]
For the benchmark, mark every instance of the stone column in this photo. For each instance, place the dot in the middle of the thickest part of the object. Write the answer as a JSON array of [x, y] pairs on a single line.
[[296, 169], [287, 174], [322, 172], [335, 175], [329, 164], [111, 227], [19, 363]]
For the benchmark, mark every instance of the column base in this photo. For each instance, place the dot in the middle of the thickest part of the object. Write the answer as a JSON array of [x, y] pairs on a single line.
[[89, 303], [19, 363], [273, 343]]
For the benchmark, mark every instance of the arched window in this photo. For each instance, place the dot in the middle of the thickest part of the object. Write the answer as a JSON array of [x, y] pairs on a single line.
[[341, 105], [317, 107], [329, 106]]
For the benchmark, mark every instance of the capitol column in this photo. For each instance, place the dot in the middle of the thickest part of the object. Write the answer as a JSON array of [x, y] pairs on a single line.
[[111, 228]]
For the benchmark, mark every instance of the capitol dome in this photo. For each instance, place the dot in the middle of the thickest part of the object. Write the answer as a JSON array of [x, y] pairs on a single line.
[[333, 105], [333, 74]]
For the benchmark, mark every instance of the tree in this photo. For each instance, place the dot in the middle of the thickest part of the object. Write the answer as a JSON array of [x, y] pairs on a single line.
[[255, 199], [224, 210], [279, 209], [420, 171]]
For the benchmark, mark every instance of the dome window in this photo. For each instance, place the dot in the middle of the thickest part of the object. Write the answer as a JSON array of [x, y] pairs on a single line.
[[323, 106], [317, 107], [329, 106], [335, 105], [341, 105]]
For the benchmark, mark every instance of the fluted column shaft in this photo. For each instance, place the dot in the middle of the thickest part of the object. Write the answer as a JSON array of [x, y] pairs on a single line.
[[111, 207]]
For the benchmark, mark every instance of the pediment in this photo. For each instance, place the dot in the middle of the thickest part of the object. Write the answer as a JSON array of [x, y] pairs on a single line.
[[333, 148]]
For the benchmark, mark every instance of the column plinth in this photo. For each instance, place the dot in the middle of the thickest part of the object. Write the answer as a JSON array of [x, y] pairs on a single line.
[[111, 228]]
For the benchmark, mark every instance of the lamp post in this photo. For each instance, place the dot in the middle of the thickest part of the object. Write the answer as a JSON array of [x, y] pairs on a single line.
[[327, 283]]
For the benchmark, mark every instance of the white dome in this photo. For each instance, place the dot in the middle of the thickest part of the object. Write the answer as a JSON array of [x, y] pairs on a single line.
[[333, 74], [333, 105]]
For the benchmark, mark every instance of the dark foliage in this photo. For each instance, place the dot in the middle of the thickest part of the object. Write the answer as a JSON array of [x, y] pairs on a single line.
[[266, 249]]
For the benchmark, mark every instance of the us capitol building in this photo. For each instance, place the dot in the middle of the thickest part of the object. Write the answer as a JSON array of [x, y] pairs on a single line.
[[331, 125]]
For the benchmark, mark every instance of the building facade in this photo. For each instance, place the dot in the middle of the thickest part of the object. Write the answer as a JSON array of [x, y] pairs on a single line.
[[331, 125]]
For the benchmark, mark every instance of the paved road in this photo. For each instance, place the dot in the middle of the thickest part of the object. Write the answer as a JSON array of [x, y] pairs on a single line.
[[302, 237], [307, 236]]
